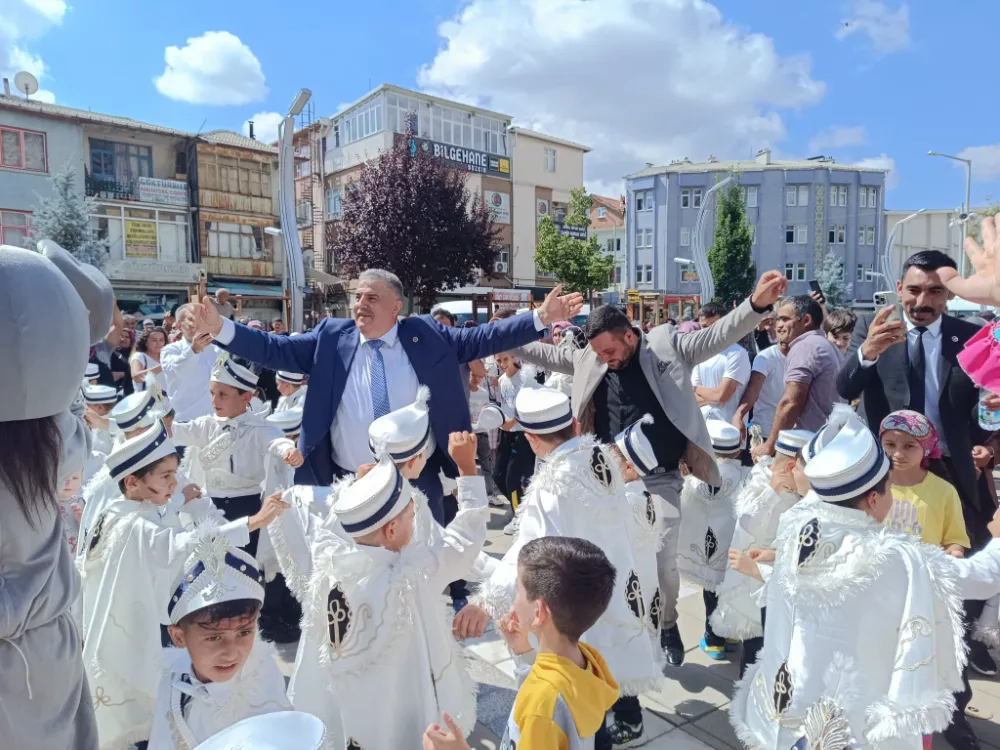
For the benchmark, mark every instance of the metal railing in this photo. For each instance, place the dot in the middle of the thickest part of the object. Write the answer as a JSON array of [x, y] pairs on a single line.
[[99, 186]]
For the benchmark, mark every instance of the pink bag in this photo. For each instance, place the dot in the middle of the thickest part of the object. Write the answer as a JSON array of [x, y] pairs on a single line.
[[981, 357]]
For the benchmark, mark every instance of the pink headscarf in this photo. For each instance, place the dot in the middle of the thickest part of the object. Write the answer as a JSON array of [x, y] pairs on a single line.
[[918, 426]]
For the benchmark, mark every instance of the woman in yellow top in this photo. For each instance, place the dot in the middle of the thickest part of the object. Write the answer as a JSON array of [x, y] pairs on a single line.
[[924, 504]]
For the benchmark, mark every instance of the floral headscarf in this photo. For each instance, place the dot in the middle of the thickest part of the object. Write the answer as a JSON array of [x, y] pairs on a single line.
[[918, 426]]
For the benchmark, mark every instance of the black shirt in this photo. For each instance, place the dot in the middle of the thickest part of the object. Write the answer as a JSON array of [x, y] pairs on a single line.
[[622, 398]]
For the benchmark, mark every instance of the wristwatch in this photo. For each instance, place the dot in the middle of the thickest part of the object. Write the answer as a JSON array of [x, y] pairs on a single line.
[[759, 310]]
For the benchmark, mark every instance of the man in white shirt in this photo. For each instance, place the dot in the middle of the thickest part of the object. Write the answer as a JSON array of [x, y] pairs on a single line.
[[187, 367], [720, 380], [763, 392]]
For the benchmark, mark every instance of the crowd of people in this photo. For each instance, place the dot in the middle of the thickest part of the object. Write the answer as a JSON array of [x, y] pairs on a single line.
[[174, 503]]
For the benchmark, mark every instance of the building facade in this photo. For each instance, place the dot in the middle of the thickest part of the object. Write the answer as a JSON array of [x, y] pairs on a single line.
[[797, 211], [934, 229], [607, 225]]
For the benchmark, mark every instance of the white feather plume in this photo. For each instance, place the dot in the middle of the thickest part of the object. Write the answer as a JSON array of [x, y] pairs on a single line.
[[423, 396], [840, 416]]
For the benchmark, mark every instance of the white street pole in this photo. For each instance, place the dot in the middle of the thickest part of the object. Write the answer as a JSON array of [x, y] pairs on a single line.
[[968, 203], [887, 271], [286, 206], [699, 253]]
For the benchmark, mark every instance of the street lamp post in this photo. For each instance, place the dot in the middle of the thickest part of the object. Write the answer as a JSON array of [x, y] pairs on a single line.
[[888, 272], [968, 201], [699, 252], [286, 205]]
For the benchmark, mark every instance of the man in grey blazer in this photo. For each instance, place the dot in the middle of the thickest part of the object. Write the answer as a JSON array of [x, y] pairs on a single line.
[[626, 373]]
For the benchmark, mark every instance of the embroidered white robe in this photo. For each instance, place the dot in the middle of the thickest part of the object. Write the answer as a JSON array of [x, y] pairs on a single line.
[[707, 525], [189, 711], [863, 645], [758, 509], [578, 491], [131, 563], [377, 661], [295, 401]]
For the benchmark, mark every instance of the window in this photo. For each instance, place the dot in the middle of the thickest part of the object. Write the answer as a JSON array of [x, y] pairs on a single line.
[[866, 235], [750, 196], [550, 160], [231, 175], [696, 198], [864, 272], [644, 200], [334, 203], [649, 275], [842, 195], [618, 275], [795, 271], [801, 234], [796, 195], [602, 212], [688, 272], [868, 197], [142, 233], [364, 120], [120, 162], [790, 234], [870, 235], [15, 228], [23, 149], [803, 195], [685, 237], [841, 234], [837, 234], [237, 241], [790, 193], [685, 198], [643, 237]]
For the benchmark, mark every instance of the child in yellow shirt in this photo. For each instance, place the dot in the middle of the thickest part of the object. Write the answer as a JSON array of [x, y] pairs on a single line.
[[923, 504], [564, 585]]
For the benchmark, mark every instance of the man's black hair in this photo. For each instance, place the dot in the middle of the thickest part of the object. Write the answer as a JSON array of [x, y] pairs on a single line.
[[928, 260], [712, 310], [237, 609], [573, 576], [606, 319], [440, 312], [805, 305]]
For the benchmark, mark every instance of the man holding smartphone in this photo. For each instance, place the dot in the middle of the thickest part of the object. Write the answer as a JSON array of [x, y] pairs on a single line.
[[912, 364]]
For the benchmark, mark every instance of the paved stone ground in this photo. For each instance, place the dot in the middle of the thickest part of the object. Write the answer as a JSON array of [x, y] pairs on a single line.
[[689, 713]]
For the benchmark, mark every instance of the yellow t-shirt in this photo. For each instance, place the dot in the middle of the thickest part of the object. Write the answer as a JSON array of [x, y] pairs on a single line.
[[931, 510]]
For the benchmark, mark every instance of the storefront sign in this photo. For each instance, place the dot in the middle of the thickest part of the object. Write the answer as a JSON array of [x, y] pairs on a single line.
[[689, 273], [468, 159], [541, 209], [153, 271], [633, 296], [512, 296], [499, 205], [577, 233], [170, 192], [140, 239]]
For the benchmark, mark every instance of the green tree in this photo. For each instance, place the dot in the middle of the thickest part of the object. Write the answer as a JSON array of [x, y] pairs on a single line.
[[579, 265], [64, 218], [730, 257], [976, 220], [830, 275]]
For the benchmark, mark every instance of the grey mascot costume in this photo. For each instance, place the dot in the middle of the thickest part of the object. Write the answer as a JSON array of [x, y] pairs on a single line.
[[51, 310]]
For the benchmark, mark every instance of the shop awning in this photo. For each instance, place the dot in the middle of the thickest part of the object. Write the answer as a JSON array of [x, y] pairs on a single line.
[[255, 290]]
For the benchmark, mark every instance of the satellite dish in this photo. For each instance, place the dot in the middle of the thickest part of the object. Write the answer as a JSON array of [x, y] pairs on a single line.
[[26, 83]]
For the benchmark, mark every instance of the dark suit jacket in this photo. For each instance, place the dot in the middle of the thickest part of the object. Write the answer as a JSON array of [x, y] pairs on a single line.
[[326, 352], [885, 388]]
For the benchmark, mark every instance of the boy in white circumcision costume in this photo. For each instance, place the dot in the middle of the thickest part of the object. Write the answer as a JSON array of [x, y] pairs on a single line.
[[292, 387]]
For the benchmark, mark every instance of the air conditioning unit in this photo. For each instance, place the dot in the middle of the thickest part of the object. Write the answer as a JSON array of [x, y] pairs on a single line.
[[500, 266]]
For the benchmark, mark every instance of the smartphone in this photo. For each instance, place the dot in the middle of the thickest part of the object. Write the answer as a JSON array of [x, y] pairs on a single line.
[[814, 285], [888, 299]]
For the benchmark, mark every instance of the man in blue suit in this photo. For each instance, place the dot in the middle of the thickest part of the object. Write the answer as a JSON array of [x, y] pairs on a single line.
[[363, 368]]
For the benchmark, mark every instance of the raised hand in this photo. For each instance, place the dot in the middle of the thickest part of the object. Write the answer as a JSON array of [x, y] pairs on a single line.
[[293, 457], [558, 306], [452, 738], [770, 288], [984, 284], [510, 628], [273, 507], [191, 492], [882, 335], [462, 449], [206, 317]]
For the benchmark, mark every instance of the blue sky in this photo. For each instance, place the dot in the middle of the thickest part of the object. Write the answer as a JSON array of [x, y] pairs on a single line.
[[638, 80]]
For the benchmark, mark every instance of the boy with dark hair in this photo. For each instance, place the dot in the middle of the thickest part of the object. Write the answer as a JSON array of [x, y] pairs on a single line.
[[564, 585], [220, 673], [839, 325]]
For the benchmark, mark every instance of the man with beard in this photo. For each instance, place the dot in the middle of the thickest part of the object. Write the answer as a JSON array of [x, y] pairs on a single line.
[[913, 364], [625, 374]]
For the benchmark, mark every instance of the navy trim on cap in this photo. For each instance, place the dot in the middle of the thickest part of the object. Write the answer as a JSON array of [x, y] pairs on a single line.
[[720, 446], [133, 460], [234, 562], [138, 417], [862, 483], [243, 381], [381, 513], [788, 447], [293, 381], [633, 454], [109, 399], [410, 452], [546, 424]]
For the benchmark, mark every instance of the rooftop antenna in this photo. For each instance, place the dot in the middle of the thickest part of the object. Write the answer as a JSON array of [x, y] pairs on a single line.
[[27, 83]]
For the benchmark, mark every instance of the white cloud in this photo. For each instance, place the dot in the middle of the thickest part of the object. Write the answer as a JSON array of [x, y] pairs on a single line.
[[637, 80], [882, 162], [22, 21], [838, 137], [214, 68], [265, 126], [887, 30], [985, 162]]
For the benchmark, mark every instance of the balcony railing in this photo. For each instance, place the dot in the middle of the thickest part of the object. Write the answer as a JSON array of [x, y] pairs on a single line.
[[99, 186]]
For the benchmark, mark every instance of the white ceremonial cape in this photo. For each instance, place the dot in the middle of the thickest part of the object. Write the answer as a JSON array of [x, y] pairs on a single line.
[[863, 646], [377, 661], [296, 401], [758, 510], [707, 525], [578, 491], [647, 524], [189, 711], [132, 561]]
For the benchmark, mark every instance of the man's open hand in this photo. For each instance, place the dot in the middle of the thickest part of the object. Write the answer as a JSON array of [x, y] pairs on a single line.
[[558, 306], [770, 288]]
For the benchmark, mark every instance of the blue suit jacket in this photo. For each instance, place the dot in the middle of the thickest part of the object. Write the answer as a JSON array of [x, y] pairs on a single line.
[[325, 354]]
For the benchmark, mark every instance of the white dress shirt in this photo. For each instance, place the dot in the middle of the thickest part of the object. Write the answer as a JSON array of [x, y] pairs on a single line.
[[349, 431], [187, 375], [932, 363]]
